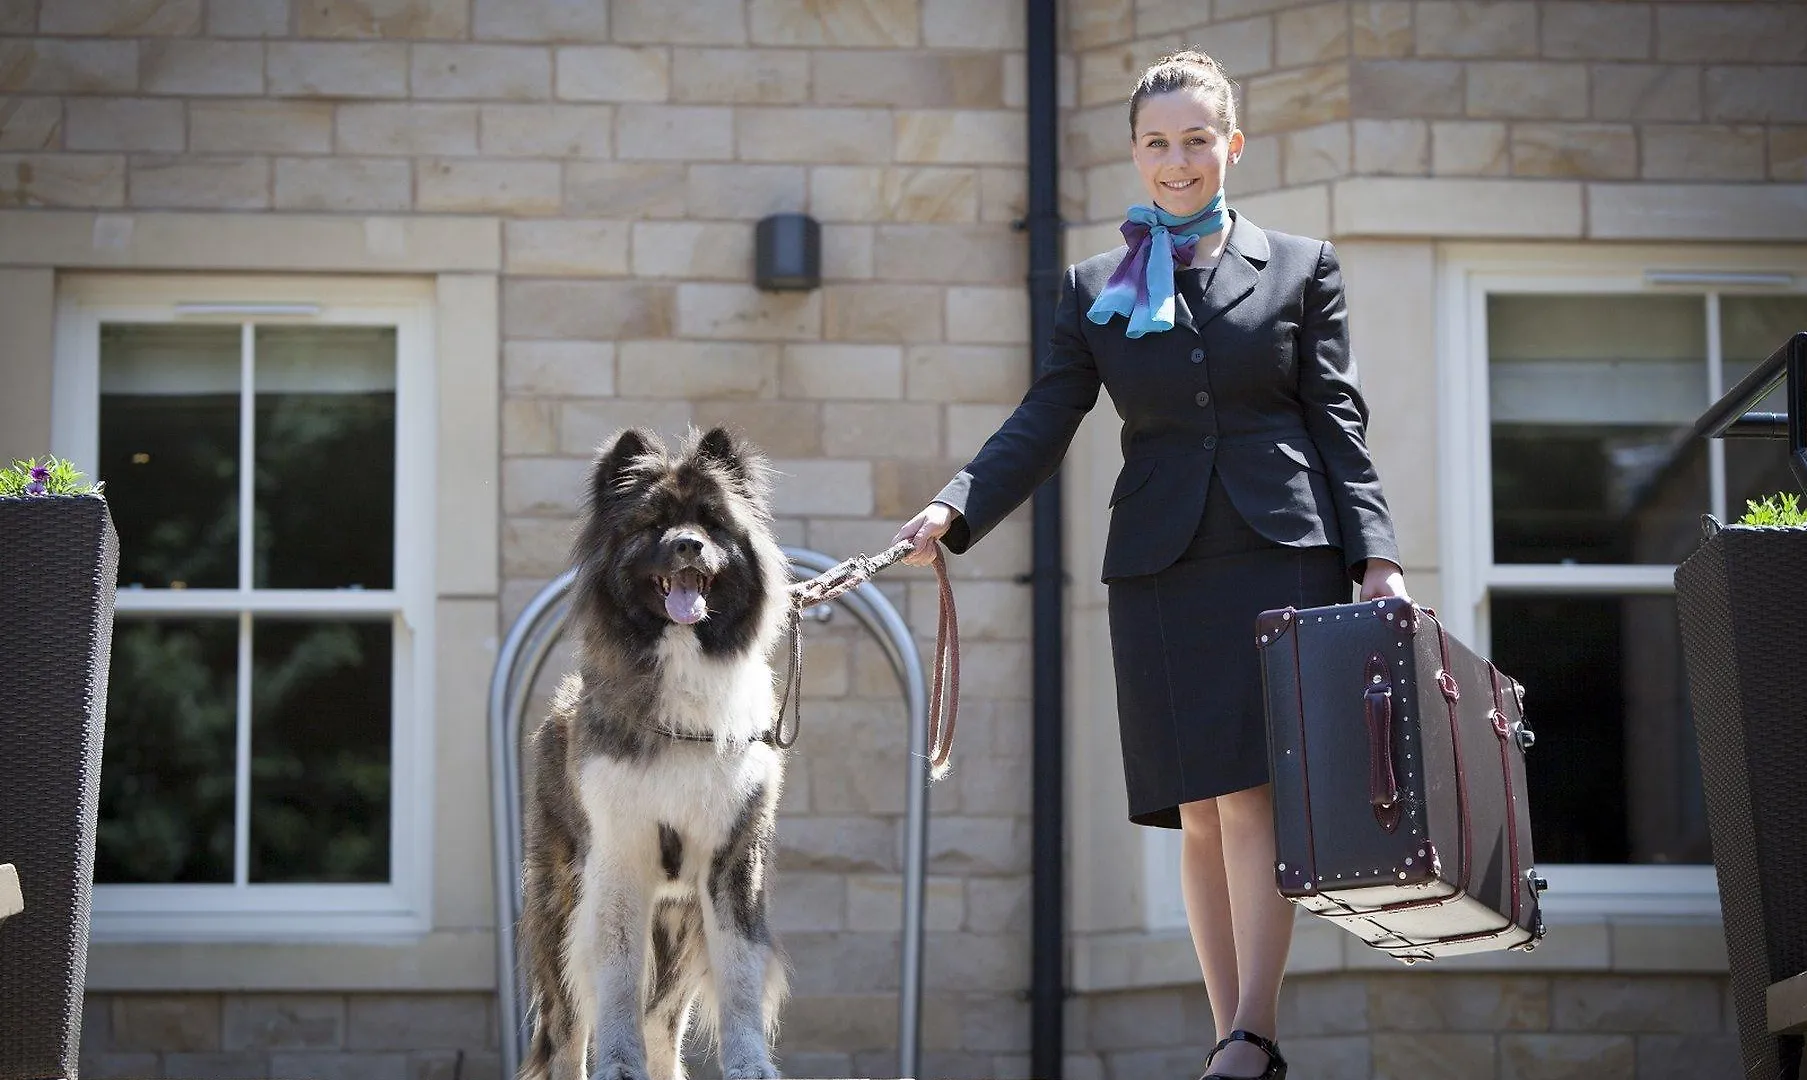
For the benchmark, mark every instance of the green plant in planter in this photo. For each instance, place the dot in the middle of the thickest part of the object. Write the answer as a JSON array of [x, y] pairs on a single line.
[[1779, 509], [53, 477]]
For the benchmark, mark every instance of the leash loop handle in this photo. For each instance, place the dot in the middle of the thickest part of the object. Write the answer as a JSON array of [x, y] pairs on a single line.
[[944, 692]]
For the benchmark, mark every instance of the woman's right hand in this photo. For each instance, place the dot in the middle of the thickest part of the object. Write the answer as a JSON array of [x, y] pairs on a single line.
[[924, 530]]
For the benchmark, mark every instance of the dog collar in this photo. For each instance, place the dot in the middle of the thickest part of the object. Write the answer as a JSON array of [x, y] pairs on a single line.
[[769, 738]]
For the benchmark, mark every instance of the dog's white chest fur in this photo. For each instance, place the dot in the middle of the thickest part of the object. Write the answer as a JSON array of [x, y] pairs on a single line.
[[729, 699], [691, 788]]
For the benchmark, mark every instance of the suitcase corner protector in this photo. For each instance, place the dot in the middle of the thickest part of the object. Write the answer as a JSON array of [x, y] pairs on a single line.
[[1272, 625]]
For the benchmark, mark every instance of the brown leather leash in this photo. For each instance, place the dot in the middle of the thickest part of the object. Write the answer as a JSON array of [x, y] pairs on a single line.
[[944, 692]]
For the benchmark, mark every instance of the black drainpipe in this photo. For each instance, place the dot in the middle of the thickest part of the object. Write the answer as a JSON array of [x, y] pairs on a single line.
[[1047, 981]]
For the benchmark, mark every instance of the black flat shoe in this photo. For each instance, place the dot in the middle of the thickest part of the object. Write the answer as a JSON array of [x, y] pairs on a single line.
[[1221, 1043], [1276, 1065]]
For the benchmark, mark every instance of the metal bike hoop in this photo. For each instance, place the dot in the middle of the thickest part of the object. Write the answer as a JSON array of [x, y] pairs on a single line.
[[519, 661]]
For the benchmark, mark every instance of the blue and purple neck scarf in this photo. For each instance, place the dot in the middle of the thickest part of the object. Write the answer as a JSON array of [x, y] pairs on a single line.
[[1141, 288]]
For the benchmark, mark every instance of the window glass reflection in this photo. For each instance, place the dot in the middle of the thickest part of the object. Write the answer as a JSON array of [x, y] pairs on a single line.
[[1615, 774], [325, 437], [167, 773], [320, 757], [169, 449], [1592, 399]]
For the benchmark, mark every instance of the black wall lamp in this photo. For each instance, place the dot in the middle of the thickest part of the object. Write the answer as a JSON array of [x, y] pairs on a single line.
[[788, 253]]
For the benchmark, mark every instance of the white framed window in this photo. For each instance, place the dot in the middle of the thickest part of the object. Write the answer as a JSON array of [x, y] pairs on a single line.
[[267, 449], [1570, 488]]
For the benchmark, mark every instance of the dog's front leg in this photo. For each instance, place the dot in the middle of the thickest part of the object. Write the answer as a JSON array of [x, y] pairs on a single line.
[[618, 915], [740, 955]]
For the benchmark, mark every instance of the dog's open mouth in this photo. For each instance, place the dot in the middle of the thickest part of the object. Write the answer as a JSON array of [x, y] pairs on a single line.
[[686, 595]]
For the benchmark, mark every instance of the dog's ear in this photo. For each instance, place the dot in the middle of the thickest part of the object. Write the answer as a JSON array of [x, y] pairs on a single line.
[[717, 447], [742, 463], [613, 458]]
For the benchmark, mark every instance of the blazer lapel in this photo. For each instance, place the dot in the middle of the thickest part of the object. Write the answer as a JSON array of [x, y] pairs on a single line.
[[1182, 311], [1237, 270]]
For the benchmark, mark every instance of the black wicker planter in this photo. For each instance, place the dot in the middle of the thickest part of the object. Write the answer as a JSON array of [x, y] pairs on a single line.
[[56, 629], [1742, 600]]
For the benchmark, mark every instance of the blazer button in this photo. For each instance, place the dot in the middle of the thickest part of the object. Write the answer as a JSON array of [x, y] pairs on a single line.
[[1210, 442], [1202, 399], [1198, 356]]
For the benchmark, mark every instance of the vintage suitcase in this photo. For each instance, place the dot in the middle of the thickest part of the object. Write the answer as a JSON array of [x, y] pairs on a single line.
[[1399, 780]]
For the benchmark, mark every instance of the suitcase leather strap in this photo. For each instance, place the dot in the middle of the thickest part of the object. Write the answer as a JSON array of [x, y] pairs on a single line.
[[1451, 695], [1383, 782], [1503, 728]]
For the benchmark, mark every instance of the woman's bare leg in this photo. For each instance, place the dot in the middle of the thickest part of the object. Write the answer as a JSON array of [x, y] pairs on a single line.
[[1208, 908], [1262, 922]]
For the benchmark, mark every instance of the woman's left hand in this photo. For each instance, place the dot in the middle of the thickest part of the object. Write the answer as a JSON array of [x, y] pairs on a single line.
[[1382, 579]]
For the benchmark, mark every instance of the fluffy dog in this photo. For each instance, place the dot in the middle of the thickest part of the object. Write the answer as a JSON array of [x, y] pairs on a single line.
[[650, 817]]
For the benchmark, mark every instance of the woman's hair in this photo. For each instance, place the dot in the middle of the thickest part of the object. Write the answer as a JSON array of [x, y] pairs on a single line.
[[1186, 70]]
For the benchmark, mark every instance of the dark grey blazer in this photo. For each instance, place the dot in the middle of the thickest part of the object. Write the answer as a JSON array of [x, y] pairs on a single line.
[[1259, 385]]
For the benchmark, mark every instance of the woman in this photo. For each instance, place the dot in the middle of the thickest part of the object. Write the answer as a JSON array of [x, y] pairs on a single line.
[[1247, 485]]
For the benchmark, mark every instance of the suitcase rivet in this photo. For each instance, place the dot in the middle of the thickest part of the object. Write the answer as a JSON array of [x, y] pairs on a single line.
[[1283, 867], [1286, 614], [1408, 860], [1264, 639], [1402, 875]]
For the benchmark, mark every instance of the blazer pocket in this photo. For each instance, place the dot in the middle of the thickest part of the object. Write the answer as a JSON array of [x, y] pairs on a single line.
[[1134, 474], [1305, 459]]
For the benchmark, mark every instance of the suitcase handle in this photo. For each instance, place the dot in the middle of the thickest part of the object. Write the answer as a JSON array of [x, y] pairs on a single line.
[[1383, 785]]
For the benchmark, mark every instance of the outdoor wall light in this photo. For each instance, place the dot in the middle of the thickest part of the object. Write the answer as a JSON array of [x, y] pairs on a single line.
[[788, 252]]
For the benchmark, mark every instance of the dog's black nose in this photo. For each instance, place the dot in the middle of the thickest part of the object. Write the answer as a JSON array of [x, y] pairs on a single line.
[[687, 547]]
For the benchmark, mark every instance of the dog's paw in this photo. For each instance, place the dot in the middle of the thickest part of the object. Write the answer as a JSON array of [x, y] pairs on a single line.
[[621, 1070], [751, 1070]]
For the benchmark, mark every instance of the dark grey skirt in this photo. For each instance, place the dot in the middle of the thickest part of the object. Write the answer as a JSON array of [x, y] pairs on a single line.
[[1189, 702]]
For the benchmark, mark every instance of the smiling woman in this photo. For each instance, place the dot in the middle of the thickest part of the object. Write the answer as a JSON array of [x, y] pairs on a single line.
[[1246, 485]]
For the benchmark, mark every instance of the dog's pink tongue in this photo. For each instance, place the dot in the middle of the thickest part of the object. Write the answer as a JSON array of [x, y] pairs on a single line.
[[685, 603]]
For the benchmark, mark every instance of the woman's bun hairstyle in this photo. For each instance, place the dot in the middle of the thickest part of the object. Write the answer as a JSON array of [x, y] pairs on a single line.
[[1187, 69]]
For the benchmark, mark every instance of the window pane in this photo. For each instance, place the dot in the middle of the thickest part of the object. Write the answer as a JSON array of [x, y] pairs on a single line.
[[167, 767], [325, 457], [1592, 399], [320, 750], [1615, 775], [1752, 327], [169, 432]]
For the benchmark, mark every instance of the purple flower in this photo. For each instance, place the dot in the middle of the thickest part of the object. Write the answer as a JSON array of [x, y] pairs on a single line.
[[36, 487], [40, 473]]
